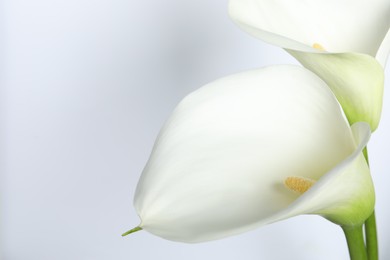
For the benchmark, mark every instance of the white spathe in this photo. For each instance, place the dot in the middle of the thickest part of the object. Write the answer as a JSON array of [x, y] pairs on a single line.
[[356, 79], [219, 163], [336, 25], [310, 30]]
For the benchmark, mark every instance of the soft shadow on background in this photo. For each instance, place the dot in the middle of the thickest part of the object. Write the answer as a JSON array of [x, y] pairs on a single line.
[[85, 88]]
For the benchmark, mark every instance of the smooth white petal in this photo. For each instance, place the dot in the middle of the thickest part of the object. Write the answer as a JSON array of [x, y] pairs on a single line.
[[219, 163], [345, 195], [357, 80], [342, 27], [337, 25], [384, 50]]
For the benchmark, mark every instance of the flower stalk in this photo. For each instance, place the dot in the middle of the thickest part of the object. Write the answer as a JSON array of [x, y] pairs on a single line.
[[355, 240], [370, 228], [371, 237]]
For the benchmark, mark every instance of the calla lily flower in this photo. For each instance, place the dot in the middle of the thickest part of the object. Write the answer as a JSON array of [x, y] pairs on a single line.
[[344, 42], [251, 149]]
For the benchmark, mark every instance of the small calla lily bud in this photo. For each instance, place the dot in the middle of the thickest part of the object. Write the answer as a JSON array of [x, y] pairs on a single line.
[[251, 149], [348, 59]]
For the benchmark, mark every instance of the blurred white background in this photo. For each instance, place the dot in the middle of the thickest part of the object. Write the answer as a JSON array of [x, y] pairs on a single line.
[[85, 88]]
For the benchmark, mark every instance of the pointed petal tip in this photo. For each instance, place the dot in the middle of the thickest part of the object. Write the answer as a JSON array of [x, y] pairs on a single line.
[[132, 231]]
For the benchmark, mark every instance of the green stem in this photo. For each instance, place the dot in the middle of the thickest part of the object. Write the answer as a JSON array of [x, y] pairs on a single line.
[[370, 228], [355, 240], [371, 237]]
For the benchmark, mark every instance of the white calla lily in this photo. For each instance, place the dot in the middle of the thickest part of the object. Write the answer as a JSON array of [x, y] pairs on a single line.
[[312, 31], [242, 151]]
